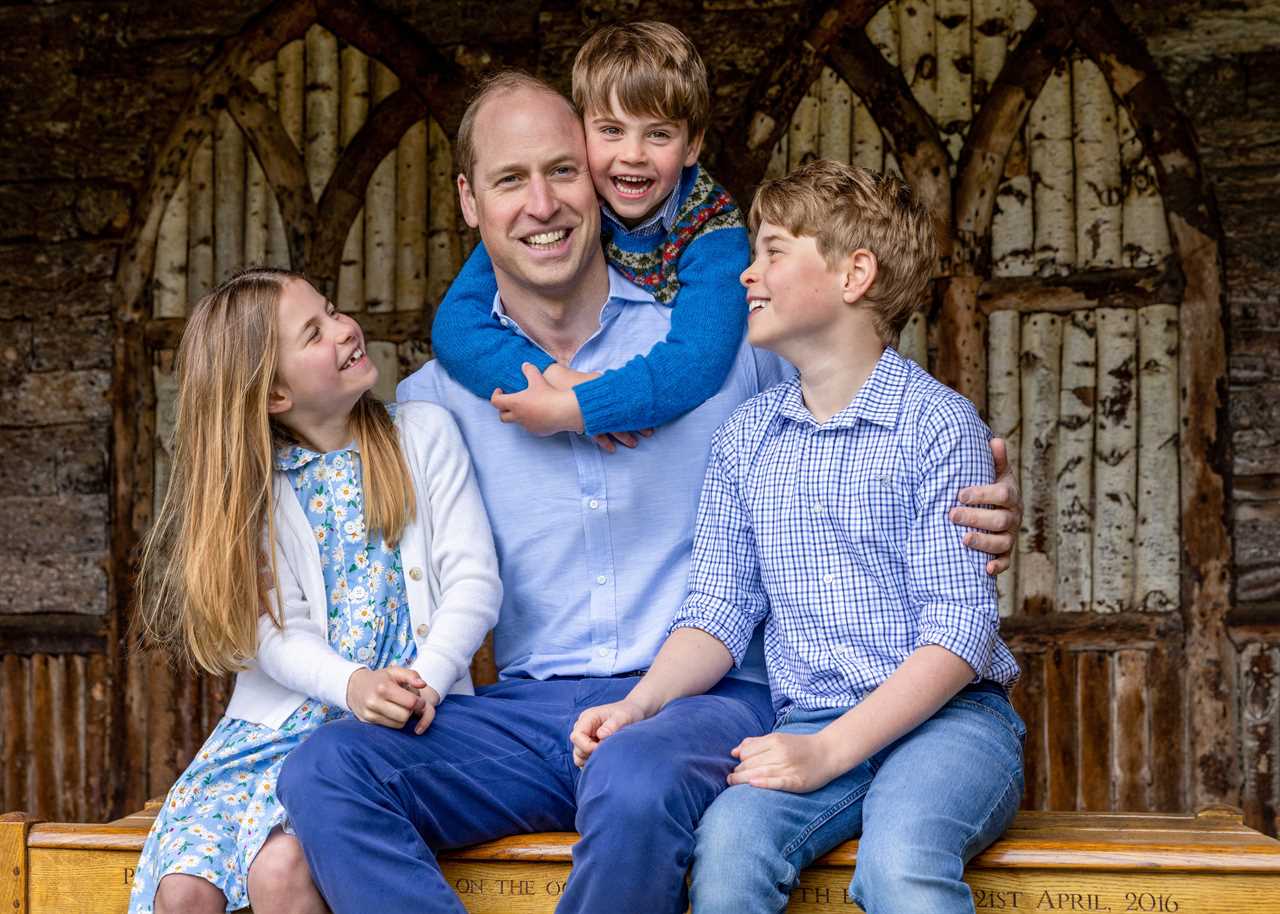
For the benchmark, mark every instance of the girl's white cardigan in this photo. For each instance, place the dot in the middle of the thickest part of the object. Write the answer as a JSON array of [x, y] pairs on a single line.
[[450, 575]]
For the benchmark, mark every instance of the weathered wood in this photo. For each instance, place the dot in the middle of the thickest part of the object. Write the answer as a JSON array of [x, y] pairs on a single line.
[[1115, 469], [1167, 695], [868, 140], [1013, 220], [14, 865], [1156, 571], [1145, 233], [228, 202], [354, 112], [53, 633], [443, 250], [1053, 188], [101, 693], [43, 760], [1133, 731], [383, 355], [1004, 414], [777, 167], [918, 51], [321, 67], [1081, 291], [397, 327], [1060, 724], [990, 46], [1098, 196], [380, 210], [169, 287], [162, 723], [835, 122], [955, 72], [1093, 680], [200, 227], [411, 219], [1074, 463], [1028, 697], [962, 328], [1041, 355], [17, 761], [803, 145], [262, 232], [1260, 733], [1091, 631]]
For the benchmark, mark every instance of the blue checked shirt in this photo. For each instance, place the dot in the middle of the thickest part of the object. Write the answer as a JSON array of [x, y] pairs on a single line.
[[837, 535]]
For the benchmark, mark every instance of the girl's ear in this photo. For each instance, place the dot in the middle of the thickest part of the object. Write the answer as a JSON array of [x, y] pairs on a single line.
[[278, 400]]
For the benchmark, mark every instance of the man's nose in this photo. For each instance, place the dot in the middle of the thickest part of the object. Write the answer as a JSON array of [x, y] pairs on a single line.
[[542, 202]]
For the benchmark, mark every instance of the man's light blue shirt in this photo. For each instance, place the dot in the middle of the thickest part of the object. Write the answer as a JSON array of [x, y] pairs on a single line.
[[594, 548]]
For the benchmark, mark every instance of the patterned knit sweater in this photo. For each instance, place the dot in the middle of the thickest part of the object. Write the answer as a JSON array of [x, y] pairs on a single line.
[[693, 266]]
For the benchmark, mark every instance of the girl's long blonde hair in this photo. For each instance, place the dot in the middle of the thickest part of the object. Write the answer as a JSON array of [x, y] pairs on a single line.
[[200, 591]]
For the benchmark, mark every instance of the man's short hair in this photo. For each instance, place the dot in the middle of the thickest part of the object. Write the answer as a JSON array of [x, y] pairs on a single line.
[[503, 81], [652, 67], [845, 208]]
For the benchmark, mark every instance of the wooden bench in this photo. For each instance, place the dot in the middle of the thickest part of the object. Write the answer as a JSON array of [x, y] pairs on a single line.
[[1049, 861]]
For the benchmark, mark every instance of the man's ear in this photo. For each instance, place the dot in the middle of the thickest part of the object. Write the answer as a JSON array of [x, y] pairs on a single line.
[[468, 201], [278, 400], [860, 270], [695, 148]]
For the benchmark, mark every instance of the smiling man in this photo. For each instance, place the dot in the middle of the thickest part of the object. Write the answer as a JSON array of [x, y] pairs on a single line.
[[594, 552]]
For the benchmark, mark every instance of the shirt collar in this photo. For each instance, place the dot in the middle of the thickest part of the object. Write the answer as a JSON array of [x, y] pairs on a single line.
[[621, 292], [878, 400], [662, 220]]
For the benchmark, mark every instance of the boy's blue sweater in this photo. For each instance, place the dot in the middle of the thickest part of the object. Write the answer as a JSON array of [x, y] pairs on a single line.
[[700, 257]]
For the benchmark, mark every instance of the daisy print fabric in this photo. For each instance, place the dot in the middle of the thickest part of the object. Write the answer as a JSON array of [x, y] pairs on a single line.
[[224, 806]]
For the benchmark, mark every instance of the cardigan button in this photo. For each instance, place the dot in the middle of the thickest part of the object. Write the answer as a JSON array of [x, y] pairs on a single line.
[[415, 574], [423, 629]]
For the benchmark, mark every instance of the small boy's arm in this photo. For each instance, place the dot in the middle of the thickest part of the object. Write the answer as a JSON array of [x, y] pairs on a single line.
[[478, 351], [690, 365], [298, 654], [463, 560]]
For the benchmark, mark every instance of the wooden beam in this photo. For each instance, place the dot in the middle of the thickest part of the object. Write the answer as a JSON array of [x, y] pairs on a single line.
[[53, 633], [778, 90], [1089, 631], [1080, 291], [401, 327]]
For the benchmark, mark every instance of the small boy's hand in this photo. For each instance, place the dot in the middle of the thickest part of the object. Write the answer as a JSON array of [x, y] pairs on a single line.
[[388, 696], [796, 763], [601, 722], [428, 698], [1001, 520], [540, 408], [562, 377]]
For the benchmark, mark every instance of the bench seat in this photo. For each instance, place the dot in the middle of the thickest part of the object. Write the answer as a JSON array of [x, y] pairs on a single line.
[[1208, 863]]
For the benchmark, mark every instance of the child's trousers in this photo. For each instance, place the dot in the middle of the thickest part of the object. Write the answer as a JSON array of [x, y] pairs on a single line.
[[372, 805], [922, 806]]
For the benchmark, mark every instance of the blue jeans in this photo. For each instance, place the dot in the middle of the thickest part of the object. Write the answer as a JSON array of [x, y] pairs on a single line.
[[923, 806], [372, 805]]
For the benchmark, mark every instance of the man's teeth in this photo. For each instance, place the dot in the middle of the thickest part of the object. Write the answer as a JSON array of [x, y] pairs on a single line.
[[546, 239], [355, 357]]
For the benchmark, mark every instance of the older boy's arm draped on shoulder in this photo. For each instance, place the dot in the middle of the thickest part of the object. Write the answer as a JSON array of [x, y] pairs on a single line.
[[690, 365], [477, 351], [714, 625], [298, 654], [948, 586], [463, 559]]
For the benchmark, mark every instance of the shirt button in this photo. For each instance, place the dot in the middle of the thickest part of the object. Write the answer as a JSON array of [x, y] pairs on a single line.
[[504, 321], [602, 652], [415, 574], [593, 504], [423, 629], [828, 578], [817, 508], [600, 579]]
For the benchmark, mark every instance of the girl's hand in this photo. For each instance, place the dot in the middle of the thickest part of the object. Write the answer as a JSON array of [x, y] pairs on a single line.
[[387, 697], [428, 698], [600, 722], [796, 763]]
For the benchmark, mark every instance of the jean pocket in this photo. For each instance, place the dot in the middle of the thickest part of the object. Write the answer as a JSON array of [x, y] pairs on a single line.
[[996, 705]]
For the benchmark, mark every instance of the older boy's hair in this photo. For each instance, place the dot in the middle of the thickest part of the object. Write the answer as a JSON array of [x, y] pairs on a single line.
[[501, 82], [845, 208], [652, 67]]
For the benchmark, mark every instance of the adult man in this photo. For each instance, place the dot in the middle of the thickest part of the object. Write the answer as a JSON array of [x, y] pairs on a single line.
[[593, 550]]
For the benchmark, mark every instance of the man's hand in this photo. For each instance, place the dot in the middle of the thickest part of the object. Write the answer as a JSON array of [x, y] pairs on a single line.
[[794, 762], [609, 443], [601, 722], [1001, 520], [540, 408], [387, 697]]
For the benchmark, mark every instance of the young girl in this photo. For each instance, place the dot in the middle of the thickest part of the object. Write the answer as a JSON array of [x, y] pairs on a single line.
[[334, 552]]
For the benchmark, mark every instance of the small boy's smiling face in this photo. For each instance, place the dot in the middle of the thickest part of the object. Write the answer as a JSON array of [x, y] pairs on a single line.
[[636, 160]]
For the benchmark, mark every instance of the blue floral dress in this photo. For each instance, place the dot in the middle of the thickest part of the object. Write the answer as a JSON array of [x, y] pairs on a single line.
[[224, 806]]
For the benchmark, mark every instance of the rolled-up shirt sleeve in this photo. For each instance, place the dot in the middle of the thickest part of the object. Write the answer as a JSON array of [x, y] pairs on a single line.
[[726, 598], [948, 582]]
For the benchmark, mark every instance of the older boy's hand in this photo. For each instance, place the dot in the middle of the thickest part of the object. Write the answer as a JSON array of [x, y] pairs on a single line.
[[540, 408], [794, 762], [601, 722], [1001, 519]]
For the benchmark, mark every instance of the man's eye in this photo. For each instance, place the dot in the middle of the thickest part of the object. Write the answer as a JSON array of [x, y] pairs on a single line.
[[564, 171], [508, 179]]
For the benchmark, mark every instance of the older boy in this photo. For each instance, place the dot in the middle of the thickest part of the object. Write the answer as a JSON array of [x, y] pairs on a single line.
[[824, 514]]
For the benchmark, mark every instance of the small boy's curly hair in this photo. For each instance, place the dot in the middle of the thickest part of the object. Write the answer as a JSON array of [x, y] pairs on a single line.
[[652, 68], [845, 208]]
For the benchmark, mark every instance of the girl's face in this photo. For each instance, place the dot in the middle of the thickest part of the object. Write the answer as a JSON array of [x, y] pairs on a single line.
[[323, 368]]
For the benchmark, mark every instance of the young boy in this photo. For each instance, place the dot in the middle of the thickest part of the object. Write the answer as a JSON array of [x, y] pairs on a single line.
[[668, 227], [824, 514]]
